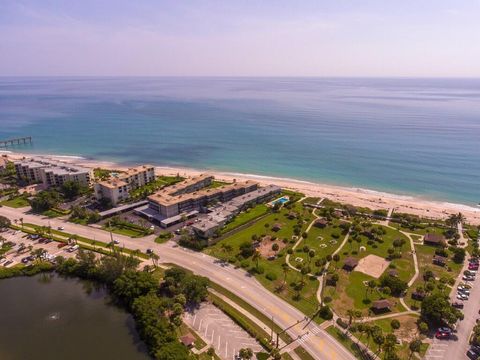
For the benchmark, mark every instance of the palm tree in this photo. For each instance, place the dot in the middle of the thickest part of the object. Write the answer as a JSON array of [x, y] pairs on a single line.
[[351, 316], [256, 257], [285, 269], [21, 222], [154, 257]]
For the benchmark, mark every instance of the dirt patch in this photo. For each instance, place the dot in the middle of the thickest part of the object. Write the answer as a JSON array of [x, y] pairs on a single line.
[[341, 301], [408, 328], [372, 265], [265, 247]]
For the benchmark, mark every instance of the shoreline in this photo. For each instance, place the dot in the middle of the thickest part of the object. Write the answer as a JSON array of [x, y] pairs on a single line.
[[349, 195]]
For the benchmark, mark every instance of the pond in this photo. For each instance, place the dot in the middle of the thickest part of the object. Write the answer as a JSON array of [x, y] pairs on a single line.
[[50, 317]]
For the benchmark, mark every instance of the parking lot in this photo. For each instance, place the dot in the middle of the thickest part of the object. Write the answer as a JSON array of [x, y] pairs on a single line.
[[15, 255], [456, 345], [220, 332]]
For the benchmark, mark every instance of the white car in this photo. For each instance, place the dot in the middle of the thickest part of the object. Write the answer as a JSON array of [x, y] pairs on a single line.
[[464, 291], [60, 228], [2, 260], [462, 297]]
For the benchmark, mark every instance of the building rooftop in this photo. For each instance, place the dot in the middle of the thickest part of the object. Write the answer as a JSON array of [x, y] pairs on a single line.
[[167, 197], [136, 170], [433, 238], [382, 304], [113, 183]]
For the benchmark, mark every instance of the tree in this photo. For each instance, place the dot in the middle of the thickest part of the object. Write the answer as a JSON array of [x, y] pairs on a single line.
[[71, 189], [133, 284], [396, 285], [285, 269], [245, 354], [436, 308], [45, 200], [275, 247], [415, 346], [4, 223], [395, 324], [255, 257], [458, 255], [172, 351]]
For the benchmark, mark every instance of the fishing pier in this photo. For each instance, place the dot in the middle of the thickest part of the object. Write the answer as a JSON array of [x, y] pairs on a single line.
[[16, 141]]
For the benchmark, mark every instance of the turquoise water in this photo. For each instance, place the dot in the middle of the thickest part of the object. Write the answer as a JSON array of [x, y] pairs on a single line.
[[406, 136]]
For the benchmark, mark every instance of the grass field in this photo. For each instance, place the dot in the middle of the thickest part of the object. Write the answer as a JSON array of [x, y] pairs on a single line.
[[306, 301], [350, 291], [17, 202], [425, 255], [245, 217]]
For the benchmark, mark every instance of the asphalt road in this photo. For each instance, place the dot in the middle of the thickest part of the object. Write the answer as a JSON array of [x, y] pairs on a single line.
[[317, 342]]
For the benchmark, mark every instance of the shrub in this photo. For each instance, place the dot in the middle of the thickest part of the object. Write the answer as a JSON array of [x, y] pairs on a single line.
[[342, 323], [271, 276], [395, 324]]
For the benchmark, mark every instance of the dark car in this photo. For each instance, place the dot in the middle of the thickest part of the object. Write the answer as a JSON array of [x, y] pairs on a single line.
[[458, 305], [48, 241], [472, 354], [25, 260], [8, 262]]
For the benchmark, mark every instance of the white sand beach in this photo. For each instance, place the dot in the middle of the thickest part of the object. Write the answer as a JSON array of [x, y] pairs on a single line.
[[354, 196]]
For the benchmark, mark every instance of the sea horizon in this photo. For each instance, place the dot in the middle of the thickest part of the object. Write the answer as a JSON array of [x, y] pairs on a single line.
[[366, 133]]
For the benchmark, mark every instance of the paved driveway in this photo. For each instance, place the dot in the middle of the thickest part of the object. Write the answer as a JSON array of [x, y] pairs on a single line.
[[219, 331]]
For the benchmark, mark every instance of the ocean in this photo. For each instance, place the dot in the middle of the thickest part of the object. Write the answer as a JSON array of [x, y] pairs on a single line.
[[416, 137]]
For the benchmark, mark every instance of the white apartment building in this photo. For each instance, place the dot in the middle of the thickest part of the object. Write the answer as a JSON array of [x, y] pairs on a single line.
[[52, 173], [117, 189]]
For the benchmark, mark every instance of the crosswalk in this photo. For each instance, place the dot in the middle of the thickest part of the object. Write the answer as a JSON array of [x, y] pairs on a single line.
[[304, 338]]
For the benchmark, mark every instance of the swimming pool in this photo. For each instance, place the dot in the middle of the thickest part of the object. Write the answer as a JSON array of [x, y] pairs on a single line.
[[281, 201]]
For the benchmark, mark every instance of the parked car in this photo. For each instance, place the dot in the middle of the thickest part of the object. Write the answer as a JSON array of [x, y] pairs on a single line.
[[116, 242], [2, 260], [472, 355], [468, 278], [473, 267], [461, 296], [8, 262], [73, 248], [60, 228], [442, 335], [445, 330], [25, 260], [458, 305], [464, 291], [149, 251], [48, 241], [61, 245]]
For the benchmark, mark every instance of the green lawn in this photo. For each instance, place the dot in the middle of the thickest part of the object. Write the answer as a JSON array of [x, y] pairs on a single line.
[[125, 230], [17, 202], [307, 302], [350, 291], [324, 241], [425, 255], [245, 217], [150, 188]]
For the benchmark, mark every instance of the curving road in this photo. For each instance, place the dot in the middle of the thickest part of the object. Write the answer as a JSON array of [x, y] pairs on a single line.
[[315, 340]]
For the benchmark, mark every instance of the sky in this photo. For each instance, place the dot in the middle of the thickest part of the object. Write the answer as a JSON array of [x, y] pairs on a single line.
[[405, 38]]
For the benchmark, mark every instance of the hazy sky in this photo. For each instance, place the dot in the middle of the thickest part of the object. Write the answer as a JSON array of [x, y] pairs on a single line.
[[241, 37]]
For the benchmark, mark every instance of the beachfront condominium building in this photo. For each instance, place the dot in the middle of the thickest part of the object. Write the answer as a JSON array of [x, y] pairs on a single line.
[[3, 164], [117, 189], [51, 172], [194, 194]]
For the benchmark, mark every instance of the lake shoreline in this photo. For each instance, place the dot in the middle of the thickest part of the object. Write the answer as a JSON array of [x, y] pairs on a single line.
[[349, 195]]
